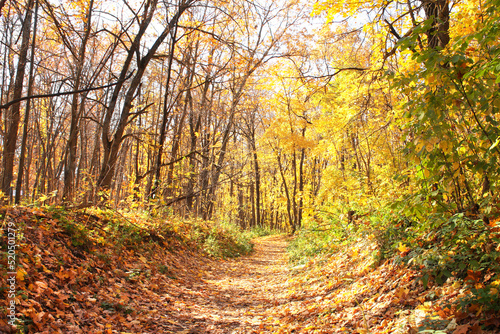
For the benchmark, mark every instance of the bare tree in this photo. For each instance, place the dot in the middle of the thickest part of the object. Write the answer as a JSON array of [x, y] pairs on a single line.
[[14, 113], [112, 140]]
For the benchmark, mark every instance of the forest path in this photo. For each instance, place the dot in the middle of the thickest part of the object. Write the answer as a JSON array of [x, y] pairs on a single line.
[[233, 296]]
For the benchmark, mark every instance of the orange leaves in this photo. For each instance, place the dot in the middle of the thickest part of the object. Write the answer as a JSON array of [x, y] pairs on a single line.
[[62, 288], [21, 273], [463, 329], [473, 276], [377, 301], [66, 274], [468, 329], [494, 225], [403, 249], [402, 292], [255, 294], [39, 318], [71, 290]]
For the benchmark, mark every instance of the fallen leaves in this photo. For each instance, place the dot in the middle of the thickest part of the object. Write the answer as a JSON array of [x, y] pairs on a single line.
[[463, 329], [64, 288], [348, 295], [147, 289]]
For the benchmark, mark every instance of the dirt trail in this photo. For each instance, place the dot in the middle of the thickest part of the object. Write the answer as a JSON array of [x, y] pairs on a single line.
[[233, 296]]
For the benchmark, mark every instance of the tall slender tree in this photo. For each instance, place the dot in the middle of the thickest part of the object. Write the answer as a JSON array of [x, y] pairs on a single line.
[[14, 115]]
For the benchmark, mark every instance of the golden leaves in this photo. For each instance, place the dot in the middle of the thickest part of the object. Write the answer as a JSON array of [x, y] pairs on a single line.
[[403, 249], [21, 273]]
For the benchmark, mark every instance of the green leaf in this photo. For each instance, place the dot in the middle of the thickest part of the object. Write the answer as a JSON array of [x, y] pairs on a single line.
[[425, 280], [495, 144]]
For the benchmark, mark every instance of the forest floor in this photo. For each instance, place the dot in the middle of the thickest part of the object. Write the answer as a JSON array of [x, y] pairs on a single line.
[[235, 296], [74, 276], [168, 287], [340, 292]]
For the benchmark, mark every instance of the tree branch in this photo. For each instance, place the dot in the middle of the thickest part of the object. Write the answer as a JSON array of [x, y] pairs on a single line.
[[40, 96]]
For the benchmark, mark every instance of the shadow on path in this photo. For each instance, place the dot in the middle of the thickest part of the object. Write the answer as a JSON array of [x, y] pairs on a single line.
[[233, 296]]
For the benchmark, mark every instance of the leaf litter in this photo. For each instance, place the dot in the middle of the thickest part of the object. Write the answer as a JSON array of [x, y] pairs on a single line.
[[168, 287]]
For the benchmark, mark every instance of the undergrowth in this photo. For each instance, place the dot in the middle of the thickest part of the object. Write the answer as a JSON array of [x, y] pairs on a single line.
[[319, 237], [91, 227], [454, 248], [217, 239]]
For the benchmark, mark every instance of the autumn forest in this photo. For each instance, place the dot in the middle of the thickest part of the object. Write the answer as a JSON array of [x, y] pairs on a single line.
[[354, 140]]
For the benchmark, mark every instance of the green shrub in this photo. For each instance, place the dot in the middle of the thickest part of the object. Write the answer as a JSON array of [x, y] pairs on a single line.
[[486, 296], [311, 241], [260, 231], [454, 248], [227, 240]]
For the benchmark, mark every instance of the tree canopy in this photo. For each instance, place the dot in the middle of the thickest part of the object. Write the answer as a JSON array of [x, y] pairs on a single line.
[[264, 114]]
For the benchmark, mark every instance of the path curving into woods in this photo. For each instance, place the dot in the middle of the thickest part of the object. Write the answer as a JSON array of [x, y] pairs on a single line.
[[234, 296]]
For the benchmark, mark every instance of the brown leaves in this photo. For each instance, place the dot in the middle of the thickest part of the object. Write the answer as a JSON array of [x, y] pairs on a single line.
[[343, 293], [463, 329], [63, 289]]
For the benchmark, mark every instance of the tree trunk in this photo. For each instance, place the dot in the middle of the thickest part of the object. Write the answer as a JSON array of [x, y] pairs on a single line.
[[438, 35], [20, 172], [301, 184], [165, 117], [291, 220], [72, 146], [13, 120], [258, 219], [194, 128], [241, 207]]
